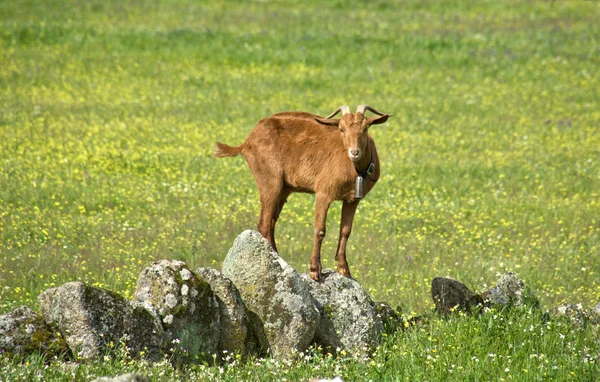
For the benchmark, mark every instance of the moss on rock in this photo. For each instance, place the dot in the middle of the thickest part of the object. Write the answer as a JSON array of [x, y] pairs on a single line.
[[23, 332]]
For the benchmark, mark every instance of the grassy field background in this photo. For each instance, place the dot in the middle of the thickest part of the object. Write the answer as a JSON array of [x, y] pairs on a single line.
[[109, 112]]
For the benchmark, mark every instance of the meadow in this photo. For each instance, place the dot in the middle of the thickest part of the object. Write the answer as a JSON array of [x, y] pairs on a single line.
[[109, 112]]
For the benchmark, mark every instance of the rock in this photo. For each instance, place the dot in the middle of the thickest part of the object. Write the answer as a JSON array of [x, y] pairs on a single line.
[[234, 321], [349, 319], [187, 307], [450, 295], [510, 291], [131, 377], [282, 312], [390, 317], [23, 332], [596, 309], [575, 313], [91, 318]]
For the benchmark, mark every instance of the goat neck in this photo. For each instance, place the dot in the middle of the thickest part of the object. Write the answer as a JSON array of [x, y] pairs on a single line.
[[365, 163]]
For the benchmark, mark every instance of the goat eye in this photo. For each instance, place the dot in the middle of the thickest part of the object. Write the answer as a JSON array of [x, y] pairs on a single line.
[[342, 131]]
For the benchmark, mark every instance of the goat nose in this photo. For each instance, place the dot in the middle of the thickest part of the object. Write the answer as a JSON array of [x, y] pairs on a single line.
[[354, 152]]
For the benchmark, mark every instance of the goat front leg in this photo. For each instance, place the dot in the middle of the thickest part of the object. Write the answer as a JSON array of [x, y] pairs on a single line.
[[348, 210], [321, 207]]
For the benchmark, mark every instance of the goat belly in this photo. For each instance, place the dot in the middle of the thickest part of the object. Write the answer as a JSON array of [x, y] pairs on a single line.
[[300, 182]]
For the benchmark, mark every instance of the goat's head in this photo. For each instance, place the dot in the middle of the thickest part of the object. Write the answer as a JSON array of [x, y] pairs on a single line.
[[354, 128]]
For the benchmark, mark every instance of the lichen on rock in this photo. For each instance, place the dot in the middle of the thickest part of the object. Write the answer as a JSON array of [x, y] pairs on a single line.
[[23, 332], [349, 320], [234, 333], [511, 291], [92, 318], [187, 307]]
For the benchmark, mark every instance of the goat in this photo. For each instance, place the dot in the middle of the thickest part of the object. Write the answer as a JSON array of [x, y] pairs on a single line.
[[302, 152]]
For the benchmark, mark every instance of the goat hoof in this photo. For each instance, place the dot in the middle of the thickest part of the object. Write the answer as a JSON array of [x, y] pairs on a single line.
[[344, 272], [315, 275]]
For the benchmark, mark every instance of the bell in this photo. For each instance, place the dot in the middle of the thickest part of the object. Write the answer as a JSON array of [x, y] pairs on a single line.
[[359, 187]]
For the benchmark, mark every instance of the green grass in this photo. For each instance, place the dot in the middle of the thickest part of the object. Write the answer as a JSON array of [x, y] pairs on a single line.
[[109, 112]]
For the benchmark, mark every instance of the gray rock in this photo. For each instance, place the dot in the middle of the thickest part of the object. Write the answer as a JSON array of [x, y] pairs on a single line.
[[187, 307], [131, 377], [349, 320], [91, 318], [450, 295], [234, 321], [596, 309], [282, 312], [391, 318], [23, 332], [576, 314], [510, 291]]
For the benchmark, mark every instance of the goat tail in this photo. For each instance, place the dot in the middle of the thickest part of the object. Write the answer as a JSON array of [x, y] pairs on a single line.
[[223, 150]]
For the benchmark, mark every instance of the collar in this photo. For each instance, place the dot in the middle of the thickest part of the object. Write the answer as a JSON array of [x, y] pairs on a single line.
[[369, 170]]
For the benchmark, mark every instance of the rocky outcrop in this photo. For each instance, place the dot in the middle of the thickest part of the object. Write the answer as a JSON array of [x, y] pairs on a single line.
[[349, 320], [24, 331], [450, 295], [258, 304], [282, 312], [91, 318], [187, 307], [234, 336]]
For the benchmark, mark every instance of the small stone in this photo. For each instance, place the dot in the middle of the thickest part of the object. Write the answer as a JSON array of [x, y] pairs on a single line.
[[131, 377], [450, 295], [576, 314], [391, 318], [185, 290], [510, 291]]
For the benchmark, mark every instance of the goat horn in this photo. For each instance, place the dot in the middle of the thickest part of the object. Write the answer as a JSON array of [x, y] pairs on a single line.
[[344, 109], [363, 108]]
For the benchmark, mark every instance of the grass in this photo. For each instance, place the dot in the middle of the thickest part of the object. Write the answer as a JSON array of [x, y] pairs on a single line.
[[109, 113]]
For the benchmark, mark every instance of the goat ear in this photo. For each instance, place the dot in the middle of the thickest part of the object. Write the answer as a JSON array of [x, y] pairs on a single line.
[[378, 120], [328, 122]]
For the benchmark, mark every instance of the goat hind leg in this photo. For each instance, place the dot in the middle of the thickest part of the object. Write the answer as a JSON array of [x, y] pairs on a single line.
[[266, 219], [281, 199]]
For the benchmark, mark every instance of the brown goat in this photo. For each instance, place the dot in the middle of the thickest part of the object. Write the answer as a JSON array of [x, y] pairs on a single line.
[[302, 152]]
